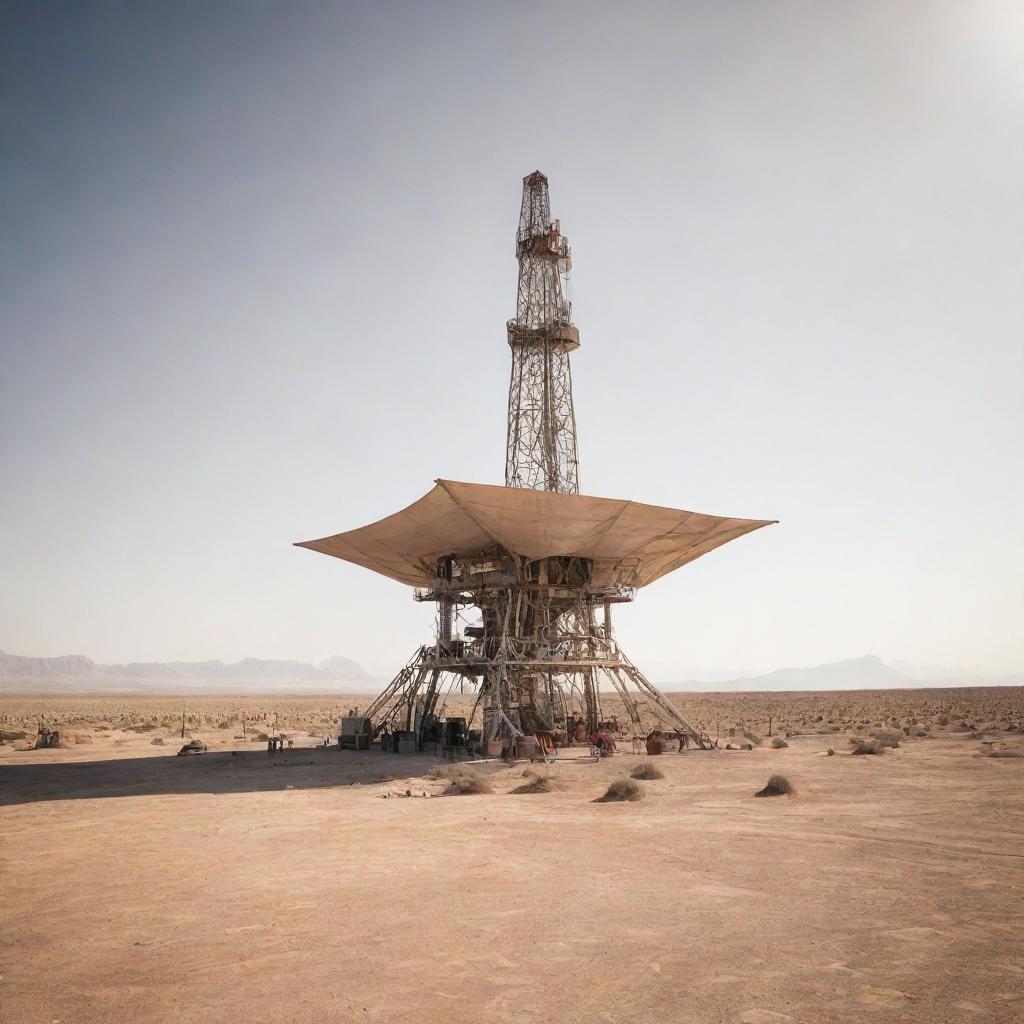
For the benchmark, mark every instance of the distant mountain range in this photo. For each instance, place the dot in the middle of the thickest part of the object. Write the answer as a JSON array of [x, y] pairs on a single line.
[[76, 673], [866, 673]]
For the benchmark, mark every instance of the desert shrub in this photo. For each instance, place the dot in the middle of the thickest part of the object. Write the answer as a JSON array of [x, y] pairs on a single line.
[[8, 735], [868, 747], [156, 741], [621, 790], [1002, 753], [646, 770], [777, 785], [753, 738], [83, 737], [830, 752], [468, 786], [535, 784], [778, 743], [887, 737], [462, 780]]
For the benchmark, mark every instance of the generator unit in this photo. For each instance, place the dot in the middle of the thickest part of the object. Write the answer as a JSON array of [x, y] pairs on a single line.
[[354, 732]]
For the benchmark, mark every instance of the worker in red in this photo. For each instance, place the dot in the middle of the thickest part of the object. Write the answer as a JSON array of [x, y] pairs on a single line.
[[603, 742], [654, 743]]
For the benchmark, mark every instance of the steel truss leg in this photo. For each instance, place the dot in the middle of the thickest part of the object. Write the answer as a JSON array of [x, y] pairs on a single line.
[[661, 705], [625, 696], [396, 694], [429, 703], [593, 705]]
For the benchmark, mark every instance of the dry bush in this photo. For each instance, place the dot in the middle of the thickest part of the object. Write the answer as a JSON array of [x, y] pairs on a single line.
[[887, 737], [1001, 753], [647, 771], [468, 786], [83, 737], [830, 752], [8, 735], [620, 791], [777, 785], [868, 747], [753, 738], [156, 741], [462, 780], [778, 743], [535, 784]]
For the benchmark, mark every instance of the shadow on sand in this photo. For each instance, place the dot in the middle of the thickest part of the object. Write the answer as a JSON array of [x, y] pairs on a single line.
[[214, 772]]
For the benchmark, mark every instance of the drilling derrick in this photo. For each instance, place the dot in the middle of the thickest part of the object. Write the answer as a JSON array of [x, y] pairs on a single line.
[[525, 576], [541, 448]]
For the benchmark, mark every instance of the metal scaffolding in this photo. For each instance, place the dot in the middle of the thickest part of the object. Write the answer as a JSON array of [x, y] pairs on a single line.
[[538, 572], [541, 651], [541, 440]]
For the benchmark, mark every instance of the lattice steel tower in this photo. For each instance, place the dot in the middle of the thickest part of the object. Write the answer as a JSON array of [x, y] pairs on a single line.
[[538, 572], [541, 441]]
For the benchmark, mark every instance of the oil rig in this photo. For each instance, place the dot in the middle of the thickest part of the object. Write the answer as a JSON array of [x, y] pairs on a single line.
[[534, 569]]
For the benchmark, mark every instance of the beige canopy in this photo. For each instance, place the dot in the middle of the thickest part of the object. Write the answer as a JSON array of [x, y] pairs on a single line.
[[630, 543]]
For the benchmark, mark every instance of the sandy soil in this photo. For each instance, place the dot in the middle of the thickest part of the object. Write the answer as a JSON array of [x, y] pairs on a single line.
[[139, 886]]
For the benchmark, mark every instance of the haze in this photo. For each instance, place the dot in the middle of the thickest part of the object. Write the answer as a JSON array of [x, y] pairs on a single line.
[[257, 259]]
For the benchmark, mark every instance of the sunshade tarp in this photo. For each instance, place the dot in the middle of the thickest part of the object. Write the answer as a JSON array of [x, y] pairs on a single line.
[[630, 543]]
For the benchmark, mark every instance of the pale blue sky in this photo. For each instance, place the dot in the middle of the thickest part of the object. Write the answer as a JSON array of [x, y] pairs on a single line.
[[256, 260]]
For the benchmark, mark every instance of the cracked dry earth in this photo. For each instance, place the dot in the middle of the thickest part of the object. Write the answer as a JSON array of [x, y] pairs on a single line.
[[154, 889]]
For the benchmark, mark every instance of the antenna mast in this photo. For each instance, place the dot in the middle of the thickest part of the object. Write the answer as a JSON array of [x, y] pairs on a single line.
[[541, 448]]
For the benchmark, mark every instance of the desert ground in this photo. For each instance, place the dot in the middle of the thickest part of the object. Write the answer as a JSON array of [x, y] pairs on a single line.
[[320, 885]]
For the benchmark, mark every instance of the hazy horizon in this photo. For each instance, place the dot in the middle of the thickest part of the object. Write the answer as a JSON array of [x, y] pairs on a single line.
[[342, 675], [256, 262]]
